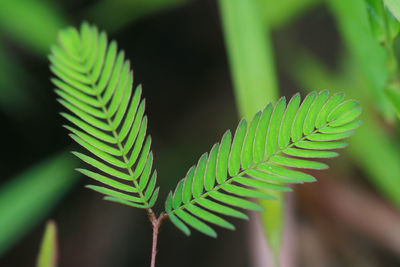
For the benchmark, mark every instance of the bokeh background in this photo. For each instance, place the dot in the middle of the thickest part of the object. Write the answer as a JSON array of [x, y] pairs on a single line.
[[178, 52]]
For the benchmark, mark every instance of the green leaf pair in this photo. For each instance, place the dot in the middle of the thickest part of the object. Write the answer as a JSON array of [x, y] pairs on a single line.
[[94, 83]]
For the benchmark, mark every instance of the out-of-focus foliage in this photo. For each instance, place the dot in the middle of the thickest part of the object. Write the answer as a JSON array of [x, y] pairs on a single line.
[[354, 26], [309, 72], [28, 197], [48, 254], [13, 78], [384, 26], [250, 55], [377, 54], [393, 94], [42, 18], [115, 14], [394, 7], [279, 13]]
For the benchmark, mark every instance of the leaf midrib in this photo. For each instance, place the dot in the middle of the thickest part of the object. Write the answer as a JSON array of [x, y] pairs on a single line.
[[115, 135], [243, 172]]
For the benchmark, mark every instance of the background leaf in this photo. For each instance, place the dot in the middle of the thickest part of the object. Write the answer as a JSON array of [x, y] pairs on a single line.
[[393, 94], [28, 197], [253, 73], [48, 254], [310, 72], [352, 21], [16, 17]]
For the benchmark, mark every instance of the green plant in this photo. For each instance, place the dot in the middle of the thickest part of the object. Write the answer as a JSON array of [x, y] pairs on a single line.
[[94, 83], [252, 63], [29, 207], [48, 254]]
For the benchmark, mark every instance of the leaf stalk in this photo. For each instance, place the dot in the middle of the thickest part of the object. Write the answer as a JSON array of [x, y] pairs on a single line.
[[156, 223]]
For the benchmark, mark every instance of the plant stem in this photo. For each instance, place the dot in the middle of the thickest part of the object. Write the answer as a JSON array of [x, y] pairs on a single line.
[[156, 223], [251, 59]]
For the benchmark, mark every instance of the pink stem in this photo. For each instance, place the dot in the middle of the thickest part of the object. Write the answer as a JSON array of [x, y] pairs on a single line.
[[156, 222]]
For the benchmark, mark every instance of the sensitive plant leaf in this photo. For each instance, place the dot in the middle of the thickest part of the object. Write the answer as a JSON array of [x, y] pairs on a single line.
[[310, 72], [47, 182], [48, 254], [251, 58], [290, 145], [94, 82]]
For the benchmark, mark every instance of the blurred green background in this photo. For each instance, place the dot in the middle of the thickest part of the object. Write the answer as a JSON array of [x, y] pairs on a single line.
[[203, 65]]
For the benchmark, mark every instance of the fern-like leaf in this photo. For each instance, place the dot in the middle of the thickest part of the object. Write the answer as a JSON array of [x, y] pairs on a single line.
[[263, 154], [94, 82]]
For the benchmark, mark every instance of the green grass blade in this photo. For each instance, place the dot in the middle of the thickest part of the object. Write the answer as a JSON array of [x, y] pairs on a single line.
[[29, 207], [48, 254]]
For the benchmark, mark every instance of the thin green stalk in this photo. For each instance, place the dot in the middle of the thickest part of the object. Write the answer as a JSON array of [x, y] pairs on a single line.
[[254, 78], [250, 55]]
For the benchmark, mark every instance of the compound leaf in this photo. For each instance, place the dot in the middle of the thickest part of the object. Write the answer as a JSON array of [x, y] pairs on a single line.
[[94, 82], [272, 150]]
